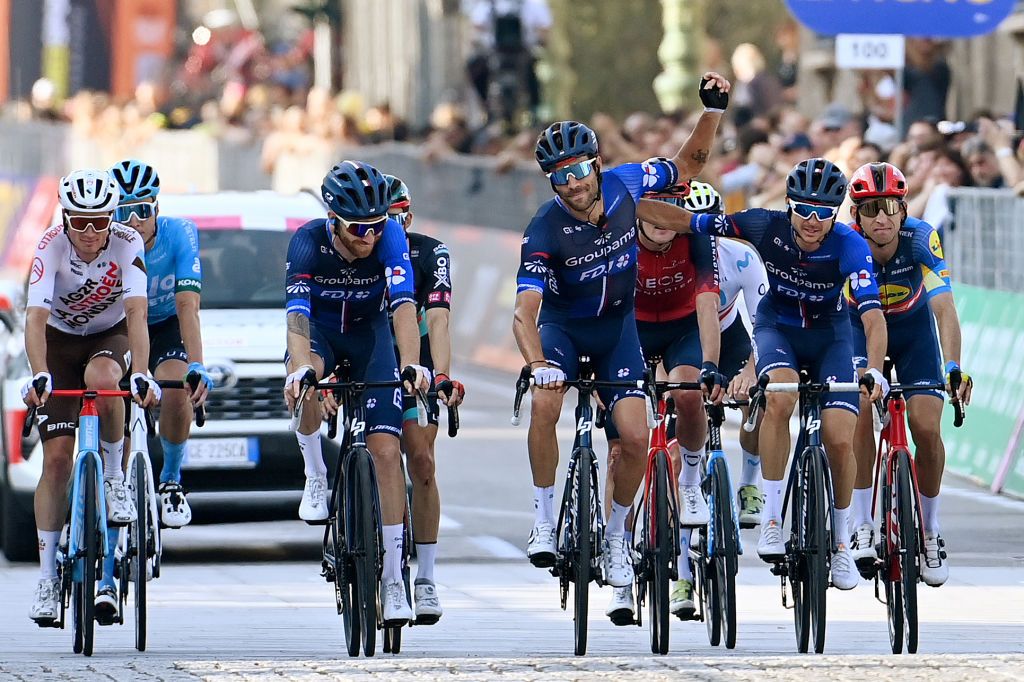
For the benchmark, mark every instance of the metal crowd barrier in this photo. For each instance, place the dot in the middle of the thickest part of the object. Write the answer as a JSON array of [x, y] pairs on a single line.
[[983, 246]]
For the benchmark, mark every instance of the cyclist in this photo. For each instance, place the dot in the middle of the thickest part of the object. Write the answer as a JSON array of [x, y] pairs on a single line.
[[677, 320], [176, 344], [338, 271], [916, 297], [431, 270], [85, 327], [740, 270], [803, 321], [579, 256]]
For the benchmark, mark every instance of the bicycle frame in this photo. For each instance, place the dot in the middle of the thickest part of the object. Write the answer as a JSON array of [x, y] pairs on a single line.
[[716, 416], [659, 442], [88, 446], [140, 448]]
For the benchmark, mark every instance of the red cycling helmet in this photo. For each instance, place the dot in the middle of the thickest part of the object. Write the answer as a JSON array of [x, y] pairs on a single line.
[[877, 180]]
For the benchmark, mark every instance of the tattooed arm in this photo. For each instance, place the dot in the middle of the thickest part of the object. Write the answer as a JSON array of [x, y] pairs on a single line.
[[299, 352], [692, 156]]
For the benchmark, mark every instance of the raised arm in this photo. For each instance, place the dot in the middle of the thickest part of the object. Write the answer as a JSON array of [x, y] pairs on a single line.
[[691, 157]]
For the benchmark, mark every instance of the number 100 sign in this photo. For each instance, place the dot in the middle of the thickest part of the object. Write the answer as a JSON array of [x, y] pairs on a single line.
[[869, 51]]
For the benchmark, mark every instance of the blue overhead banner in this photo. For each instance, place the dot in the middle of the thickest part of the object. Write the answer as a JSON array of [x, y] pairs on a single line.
[[916, 18]]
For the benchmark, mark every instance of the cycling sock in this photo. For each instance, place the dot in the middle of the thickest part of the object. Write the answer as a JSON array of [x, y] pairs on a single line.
[[773, 491], [750, 474], [628, 537], [691, 474], [48, 541], [842, 527], [112, 454], [426, 554], [684, 554], [393, 553], [107, 579], [861, 507], [174, 453], [543, 503], [312, 456], [617, 519], [930, 512]]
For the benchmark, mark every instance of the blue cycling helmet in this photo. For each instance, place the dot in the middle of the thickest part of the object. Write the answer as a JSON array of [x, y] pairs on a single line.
[[564, 140], [137, 180], [356, 190], [817, 181]]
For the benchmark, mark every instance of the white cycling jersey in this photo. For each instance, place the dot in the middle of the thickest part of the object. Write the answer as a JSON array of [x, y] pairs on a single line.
[[87, 298], [739, 270]]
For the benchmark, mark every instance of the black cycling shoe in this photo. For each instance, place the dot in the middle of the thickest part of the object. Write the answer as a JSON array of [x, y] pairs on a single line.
[[106, 605]]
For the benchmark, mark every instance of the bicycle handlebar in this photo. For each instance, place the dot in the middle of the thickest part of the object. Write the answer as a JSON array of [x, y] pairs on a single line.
[[526, 378], [954, 381]]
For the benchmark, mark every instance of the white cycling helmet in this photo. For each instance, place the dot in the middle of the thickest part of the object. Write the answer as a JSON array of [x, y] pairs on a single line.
[[703, 198], [88, 191]]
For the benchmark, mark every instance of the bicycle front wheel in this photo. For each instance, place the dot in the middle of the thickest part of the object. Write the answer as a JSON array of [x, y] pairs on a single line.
[[138, 549], [582, 550], [85, 617], [345, 586], [367, 559], [659, 546], [726, 551], [909, 552], [817, 549], [711, 607]]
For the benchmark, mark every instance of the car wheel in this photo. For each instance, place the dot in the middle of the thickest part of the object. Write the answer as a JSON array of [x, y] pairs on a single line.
[[19, 527]]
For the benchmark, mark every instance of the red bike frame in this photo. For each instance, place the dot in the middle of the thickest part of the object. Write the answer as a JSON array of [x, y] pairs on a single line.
[[659, 441]]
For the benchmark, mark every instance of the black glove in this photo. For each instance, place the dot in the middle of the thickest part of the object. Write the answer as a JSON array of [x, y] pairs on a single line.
[[710, 376], [713, 98]]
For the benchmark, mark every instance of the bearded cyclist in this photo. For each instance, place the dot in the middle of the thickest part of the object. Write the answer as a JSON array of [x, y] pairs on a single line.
[[579, 256], [85, 327], [431, 270], [176, 343], [338, 272], [803, 321], [916, 298]]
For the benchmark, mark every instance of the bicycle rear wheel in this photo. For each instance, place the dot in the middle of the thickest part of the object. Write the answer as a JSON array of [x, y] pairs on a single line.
[[659, 550], [138, 549], [889, 574], [711, 607], [909, 551], [581, 553], [86, 617], [725, 554], [345, 592], [367, 560], [818, 547], [798, 568]]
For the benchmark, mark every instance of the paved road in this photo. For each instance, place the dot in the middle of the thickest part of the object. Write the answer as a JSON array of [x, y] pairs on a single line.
[[245, 599]]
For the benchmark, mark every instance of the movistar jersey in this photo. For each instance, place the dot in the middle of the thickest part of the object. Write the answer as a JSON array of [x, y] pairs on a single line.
[[583, 270], [173, 265], [805, 287], [337, 294]]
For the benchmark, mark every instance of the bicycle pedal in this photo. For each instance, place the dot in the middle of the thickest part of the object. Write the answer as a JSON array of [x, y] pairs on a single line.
[[49, 623], [622, 617], [687, 614], [317, 522], [426, 620], [747, 525]]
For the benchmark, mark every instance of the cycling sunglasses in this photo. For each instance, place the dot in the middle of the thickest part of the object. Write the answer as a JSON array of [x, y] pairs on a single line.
[[142, 210], [817, 211], [362, 228], [400, 216], [81, 223], [872, 207], [578, 170]]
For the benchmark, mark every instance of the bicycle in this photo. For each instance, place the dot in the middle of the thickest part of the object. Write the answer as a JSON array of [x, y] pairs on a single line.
[[580, 526], [716, 555], [353, 550], [809, 488], [902, 531]]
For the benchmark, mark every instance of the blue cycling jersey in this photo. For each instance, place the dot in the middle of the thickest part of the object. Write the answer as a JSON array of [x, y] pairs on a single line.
[[337, 294], [914, 274], [172, 265], [583, 270], [805, 287]]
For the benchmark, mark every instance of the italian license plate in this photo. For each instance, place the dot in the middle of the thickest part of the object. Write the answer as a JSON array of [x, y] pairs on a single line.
[[221, 453]]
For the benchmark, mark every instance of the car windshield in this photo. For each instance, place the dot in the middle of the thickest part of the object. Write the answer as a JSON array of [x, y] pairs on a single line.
[[243, 268]]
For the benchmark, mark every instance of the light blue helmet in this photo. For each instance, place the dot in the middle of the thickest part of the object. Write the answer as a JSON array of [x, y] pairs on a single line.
[[137, 180]]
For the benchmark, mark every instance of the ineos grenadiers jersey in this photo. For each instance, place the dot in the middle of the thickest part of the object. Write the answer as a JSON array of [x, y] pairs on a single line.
[[915, 273], [173, 265], [337, 294], [86, 298], [668, 282], [582, 270], [805, 289], [739, 270]]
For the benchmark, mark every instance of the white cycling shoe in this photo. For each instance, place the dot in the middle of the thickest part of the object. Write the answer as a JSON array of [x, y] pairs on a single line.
[[934, 569], [120, 506], [863, 545], [844, 569], [428, 606], [45, 607], [174, 509], [541, 547], [621, 609], [106, 605], [617, 562], [397, 611], [770, 545], [695, 507], [313, 508]]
